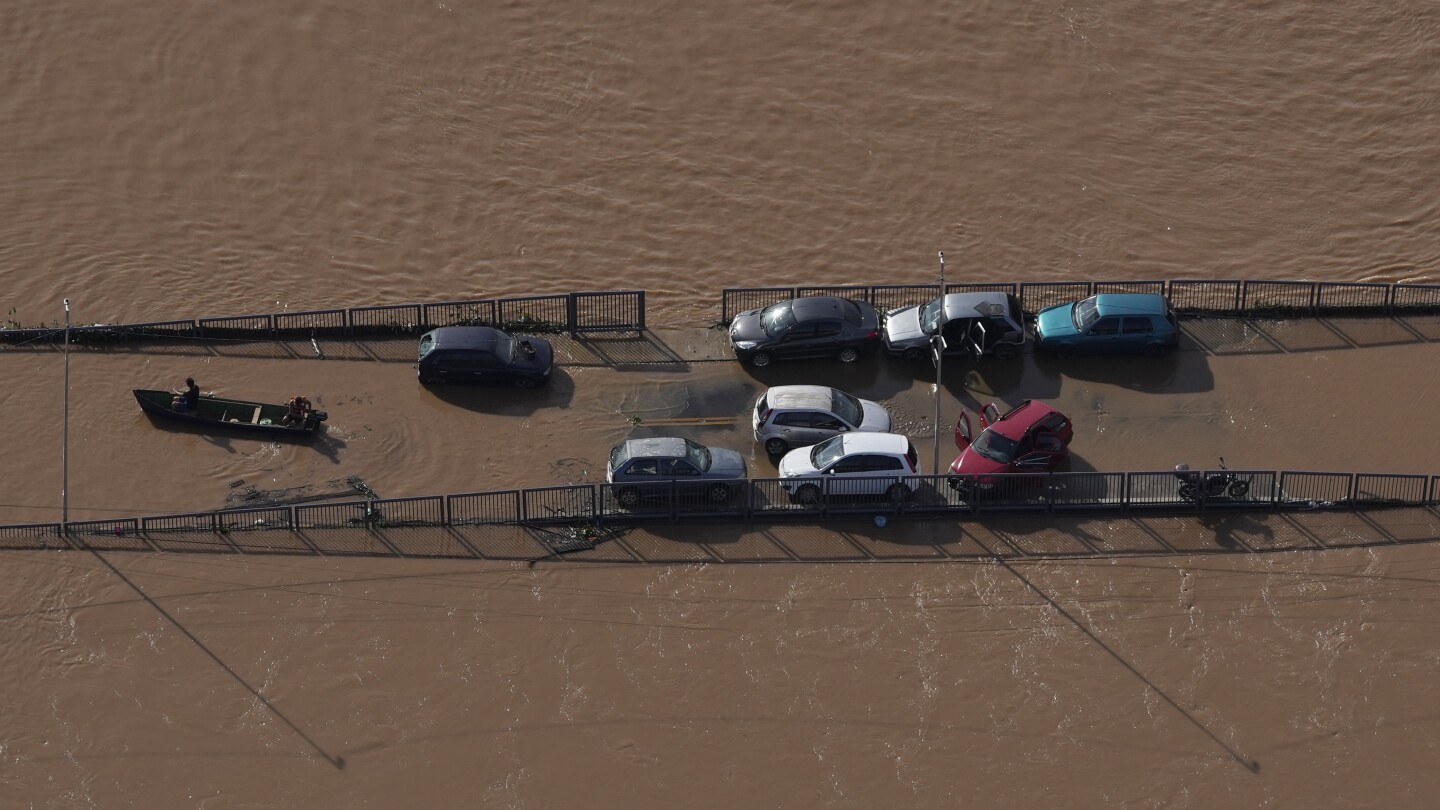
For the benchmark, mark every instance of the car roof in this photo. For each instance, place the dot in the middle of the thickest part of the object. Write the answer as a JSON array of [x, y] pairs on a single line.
[[1130, 304], [800, 396], [986, 303], [822, 306], [1014, 422], [466, 337], [656, 447], [874, 443]]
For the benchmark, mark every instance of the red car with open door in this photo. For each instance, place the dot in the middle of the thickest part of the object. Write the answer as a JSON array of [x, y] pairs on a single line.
[[1031, 437]]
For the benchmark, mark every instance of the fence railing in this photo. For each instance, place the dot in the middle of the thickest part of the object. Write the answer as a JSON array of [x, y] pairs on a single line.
[[574, 313], [1187, 297], [761, 498]]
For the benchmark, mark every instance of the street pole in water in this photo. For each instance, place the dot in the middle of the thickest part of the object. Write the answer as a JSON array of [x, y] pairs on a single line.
[[937, 351], [65, 433]]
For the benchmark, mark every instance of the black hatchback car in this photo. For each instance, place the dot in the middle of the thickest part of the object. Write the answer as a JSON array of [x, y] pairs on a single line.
[[482, 354], [806, 327]]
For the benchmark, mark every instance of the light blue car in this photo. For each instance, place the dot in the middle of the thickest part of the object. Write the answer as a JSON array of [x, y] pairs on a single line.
[[1110, 323]]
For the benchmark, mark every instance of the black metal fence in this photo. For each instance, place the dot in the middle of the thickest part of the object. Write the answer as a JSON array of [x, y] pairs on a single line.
[[574, 313], [1235, 298], [765, 498]]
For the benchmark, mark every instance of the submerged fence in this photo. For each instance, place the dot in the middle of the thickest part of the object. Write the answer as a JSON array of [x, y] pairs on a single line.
[[1235, 298], [575, 313], [765, 498]]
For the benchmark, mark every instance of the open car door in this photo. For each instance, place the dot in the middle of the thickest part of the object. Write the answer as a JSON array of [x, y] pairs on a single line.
[[963, 434]]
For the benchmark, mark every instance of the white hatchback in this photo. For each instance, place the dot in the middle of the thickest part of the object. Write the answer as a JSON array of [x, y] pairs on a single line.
[[852, 465]]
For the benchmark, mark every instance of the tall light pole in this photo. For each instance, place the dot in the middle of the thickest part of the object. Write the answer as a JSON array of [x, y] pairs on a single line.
[[937, 351], [65, 434]]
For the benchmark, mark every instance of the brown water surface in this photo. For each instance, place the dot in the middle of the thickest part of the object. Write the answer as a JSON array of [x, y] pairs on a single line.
[[198, 159]]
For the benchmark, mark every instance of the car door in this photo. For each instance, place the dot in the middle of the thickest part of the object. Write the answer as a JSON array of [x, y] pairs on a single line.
[[828, 338], [644, 473], [796, 341], [682, 472], [847, 477], [825, 425], [1104, 336], [796, 428], [1135, 333]]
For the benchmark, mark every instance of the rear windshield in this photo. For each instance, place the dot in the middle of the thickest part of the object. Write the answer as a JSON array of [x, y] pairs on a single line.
[[847, 407], [760, 406], [426, 344]]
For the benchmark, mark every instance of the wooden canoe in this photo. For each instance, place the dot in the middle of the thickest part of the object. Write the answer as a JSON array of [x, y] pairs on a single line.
[[229, 414]]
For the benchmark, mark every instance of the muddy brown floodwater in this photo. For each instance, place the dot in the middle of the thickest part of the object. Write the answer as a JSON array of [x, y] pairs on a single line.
[[200, 159]]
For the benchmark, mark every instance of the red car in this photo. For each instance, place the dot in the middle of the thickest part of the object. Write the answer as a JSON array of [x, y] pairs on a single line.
[[1031, 437]]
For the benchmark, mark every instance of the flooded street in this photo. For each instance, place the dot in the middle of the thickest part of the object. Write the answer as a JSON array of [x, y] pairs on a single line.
[[200, 159]]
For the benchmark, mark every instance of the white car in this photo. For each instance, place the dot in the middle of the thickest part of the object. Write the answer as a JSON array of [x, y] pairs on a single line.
[[789, 416], [852, 464]]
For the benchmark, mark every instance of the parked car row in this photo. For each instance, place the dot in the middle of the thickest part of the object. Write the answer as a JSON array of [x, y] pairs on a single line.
[[829, 440], [975, 323]]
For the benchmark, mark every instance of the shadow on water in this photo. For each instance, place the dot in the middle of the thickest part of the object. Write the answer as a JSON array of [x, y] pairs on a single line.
[[506, 399]]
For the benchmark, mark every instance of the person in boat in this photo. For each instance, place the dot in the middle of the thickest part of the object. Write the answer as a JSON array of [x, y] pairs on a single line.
[[299, 408], [189, 399]]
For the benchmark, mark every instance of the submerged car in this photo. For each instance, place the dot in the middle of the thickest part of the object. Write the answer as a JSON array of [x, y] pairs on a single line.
[[482, 354], [789, 416], [852, 464], [976, 323], [647, 467], [1109, 323], [1031, 437], [821, 326]]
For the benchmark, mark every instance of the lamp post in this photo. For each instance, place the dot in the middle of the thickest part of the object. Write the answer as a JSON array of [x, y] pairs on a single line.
[[937, 353], [65, 434]]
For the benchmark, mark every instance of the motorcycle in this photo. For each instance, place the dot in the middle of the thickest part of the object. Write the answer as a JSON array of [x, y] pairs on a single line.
[[1219, 484]]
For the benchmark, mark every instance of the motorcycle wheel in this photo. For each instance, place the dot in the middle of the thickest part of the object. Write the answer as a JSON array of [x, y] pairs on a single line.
[[1239, 489], [1189, 491]]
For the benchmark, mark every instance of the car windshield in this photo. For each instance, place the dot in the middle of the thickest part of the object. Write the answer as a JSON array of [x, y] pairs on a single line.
[[847, 408], [505, 349], [828, 452], [618, 456], [1086, 313], [776, 318], [699, 455], [995, 447], [931, 316]]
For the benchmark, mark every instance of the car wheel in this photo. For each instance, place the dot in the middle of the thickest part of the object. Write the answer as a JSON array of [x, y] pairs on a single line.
[[719, 493], [808, 495], [1156, 349], [898, 493], [848, 355], [957, 483], [524, 382], [1004, 351], [628, 496], [760, 359], [1066, 351], [913, 355], [776, 447], [1239, 489]]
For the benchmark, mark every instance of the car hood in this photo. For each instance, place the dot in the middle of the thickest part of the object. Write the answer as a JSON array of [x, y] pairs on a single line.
[[1056, 322], [903, 326], [875, 418], [725, 463], [970, 462], [796, 463], [746, 326]]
